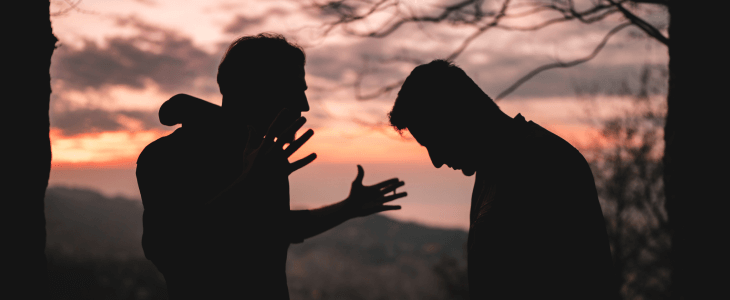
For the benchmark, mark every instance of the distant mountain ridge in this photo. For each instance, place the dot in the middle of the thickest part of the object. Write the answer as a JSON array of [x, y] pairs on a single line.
[[85, 222], [373, 257]]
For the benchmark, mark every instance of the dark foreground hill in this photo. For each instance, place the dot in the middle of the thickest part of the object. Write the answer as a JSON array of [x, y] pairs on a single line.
[[94, 252]]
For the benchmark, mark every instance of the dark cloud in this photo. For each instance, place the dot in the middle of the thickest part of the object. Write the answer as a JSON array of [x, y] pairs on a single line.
[[88, 120], [609, 69], [241, 23], [620, 60], [162, 55], [565, 82], [147, 2], [333, 61], [175, 63], [613, 67]]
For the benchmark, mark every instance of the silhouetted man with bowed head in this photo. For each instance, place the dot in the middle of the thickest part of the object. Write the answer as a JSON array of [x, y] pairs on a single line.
[[217, 222], [536, 227]]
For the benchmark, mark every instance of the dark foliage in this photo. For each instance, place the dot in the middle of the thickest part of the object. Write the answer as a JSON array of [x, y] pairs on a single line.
[[628, 176]]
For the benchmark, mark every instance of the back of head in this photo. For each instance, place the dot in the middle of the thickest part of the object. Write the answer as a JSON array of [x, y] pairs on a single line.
[[442, 92], [255, 61]]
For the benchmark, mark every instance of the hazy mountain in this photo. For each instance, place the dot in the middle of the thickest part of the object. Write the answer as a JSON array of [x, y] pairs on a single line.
[[96, 240], [85, 224]]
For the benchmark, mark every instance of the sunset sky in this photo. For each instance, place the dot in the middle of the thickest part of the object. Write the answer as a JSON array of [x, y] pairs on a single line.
[[118, 61]]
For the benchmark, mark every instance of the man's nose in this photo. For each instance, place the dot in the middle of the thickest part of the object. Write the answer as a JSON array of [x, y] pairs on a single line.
[[305, 103], [300, 103], [435, 159]]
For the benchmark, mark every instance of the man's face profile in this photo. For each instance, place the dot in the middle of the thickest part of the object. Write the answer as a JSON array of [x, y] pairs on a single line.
[[289, 93], [445, 146], [268, 96], [285, 88]]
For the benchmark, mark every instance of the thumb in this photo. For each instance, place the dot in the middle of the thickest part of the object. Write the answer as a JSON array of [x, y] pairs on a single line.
[[360, 175]]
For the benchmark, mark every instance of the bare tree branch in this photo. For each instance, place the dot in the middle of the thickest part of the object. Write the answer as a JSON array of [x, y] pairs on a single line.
[[646, 27], [357, 84], [71, 6], [660, 2], [469, 12], [495, 23], [377, 93], [479, 31], [534, 72], [590, 15], [547, 23], [346, 13], [448, 11], [534, 10]]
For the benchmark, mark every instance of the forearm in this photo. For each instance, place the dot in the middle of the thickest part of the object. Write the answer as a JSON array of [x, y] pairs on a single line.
[[325, 218]]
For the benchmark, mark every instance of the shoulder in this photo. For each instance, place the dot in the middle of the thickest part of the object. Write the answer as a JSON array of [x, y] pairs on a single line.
[[553, 152], [161, 148]]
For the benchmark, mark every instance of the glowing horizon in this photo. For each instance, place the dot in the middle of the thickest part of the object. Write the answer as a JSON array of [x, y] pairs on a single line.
[[120, 148], [119, 61]]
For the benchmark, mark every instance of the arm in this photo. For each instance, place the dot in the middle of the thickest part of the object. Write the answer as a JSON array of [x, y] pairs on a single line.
[[362, 201], [321, 219], [264, 159]]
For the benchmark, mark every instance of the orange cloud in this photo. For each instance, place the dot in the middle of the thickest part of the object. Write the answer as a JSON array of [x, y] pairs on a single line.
[[109, 149], [354, 144], [346, 144], [120, 149]]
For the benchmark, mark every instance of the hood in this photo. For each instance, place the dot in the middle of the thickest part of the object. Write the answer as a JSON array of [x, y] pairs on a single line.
[[183, 108]]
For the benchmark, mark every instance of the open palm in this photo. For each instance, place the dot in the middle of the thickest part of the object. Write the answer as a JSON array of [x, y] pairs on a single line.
[[367, 200]]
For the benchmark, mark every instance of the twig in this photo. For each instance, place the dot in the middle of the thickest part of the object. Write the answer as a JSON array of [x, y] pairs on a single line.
[[540, 69]]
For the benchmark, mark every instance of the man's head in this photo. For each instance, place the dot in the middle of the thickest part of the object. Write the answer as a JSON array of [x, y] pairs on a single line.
[[447, 113], [260, 75]]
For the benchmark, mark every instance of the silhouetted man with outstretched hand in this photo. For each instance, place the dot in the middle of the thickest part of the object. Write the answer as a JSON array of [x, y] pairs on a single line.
[[217, 222], [536, 227]]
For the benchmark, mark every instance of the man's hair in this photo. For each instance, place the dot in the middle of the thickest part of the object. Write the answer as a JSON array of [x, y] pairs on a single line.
[[257, 57], [440, 89]]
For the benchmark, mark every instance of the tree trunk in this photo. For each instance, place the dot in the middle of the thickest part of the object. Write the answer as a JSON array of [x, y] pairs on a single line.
[[694, 158], [28, 47]]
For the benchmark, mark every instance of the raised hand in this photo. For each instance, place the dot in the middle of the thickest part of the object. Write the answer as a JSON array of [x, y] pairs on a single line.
[[367, 200], [266, 157]]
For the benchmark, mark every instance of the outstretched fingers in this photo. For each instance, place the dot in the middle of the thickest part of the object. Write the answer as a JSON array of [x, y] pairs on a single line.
[[392, 186], [386, 183], [296, 144], [302, 162], [282, 122], [288, 134], [383, 208], [393, 197]]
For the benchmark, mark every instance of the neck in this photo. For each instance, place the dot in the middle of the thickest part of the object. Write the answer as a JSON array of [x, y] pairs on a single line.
[[501, 133], [235, 122], [499, 128]]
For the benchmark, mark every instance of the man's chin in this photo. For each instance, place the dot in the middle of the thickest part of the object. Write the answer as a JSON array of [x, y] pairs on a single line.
[[466, 172]]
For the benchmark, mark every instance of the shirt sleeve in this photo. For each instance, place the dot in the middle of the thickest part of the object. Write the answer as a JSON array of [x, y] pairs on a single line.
[[296, 219]]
